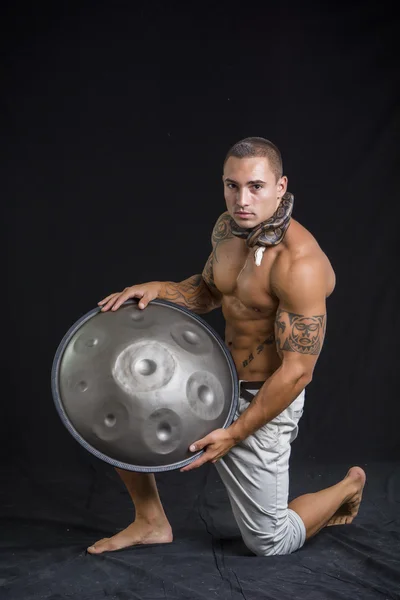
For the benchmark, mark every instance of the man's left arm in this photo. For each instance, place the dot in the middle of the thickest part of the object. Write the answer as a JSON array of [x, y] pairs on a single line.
[[300, 325]]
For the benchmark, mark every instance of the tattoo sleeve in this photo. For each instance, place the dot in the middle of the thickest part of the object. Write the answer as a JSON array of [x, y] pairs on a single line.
[[299, 333], [208, 273], [199, 292], [192, 293]]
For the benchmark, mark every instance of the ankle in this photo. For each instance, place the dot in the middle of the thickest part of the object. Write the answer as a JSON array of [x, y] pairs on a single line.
[[350, 487], [152, 517]]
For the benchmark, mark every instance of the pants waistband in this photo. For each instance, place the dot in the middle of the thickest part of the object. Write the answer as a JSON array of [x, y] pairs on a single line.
[[250, 385]]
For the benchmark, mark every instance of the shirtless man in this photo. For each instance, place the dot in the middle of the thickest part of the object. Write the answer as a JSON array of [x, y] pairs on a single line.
[[271, 280]]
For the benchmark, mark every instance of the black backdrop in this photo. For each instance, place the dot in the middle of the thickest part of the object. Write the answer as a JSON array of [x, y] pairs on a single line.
[[117, 120]]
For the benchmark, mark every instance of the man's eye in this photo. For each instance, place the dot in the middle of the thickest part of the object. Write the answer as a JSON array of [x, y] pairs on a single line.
[[257, 186], [231, 186]]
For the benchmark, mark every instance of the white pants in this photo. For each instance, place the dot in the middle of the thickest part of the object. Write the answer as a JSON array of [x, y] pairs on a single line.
[[255, 473]]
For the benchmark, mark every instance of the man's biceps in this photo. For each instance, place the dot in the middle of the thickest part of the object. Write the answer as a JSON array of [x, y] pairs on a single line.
[[300, 364], [303, 305]]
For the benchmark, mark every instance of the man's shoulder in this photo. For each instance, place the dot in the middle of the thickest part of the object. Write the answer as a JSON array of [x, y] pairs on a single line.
[[300, 246], [225, 217], [301, 261], [222, 228]]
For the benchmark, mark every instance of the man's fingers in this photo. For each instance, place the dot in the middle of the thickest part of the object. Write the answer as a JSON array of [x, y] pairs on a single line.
[[126, 296], [145, 293], [200, 444], [144, 301], [109, 303], [116, 300], [106, 299], [196, 463]]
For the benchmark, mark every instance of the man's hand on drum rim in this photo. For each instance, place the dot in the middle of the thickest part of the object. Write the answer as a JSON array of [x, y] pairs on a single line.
[[216, 444], [145, 292]]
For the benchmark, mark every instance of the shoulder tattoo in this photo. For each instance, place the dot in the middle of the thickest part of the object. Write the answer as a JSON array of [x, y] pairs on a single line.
[[221, 232], [299, 333]]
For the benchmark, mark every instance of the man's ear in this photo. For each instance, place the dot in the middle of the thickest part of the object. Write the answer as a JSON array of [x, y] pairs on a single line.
[[282, 185]]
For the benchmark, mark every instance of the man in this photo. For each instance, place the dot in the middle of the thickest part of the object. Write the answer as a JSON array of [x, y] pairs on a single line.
[[271, 279]]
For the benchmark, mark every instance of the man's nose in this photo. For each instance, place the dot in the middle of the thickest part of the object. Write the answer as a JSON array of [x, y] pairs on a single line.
[[242, 197]]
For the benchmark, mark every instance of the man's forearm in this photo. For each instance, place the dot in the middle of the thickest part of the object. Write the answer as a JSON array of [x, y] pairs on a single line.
[[192, 293], [277, 393]]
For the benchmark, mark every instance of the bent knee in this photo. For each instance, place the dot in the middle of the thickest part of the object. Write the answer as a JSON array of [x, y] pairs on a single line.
[[285, 539], [262, 547]]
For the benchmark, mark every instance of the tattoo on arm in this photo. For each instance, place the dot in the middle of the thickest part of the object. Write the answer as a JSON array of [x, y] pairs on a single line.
[[299, 333], [192, 293], [267, 342], [199, 293], [222, 231], [208, 274], [280, 325]]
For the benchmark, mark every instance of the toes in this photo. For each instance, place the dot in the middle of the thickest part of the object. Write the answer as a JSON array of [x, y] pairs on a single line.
[[340, 521], [97, 547]]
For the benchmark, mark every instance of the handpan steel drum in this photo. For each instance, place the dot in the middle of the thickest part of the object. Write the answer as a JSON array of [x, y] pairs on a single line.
[[137, 387]]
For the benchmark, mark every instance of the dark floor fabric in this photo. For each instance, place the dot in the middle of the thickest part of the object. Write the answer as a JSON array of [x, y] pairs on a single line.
[[48, 518]]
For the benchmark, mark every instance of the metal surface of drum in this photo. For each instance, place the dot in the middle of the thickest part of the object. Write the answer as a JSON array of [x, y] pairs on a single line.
[[137, 387]]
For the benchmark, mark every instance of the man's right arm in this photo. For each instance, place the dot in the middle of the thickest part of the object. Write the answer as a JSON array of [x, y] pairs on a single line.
[[198, 293]]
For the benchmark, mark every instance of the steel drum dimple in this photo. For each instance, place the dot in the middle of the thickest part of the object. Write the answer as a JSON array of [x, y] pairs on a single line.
[[137, 387], [144, 366]]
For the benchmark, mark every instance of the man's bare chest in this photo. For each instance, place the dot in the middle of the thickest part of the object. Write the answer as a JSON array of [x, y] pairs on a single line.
[[236, 274]]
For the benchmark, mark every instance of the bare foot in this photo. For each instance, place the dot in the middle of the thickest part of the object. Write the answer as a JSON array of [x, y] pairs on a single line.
[[138, 532], [349, 509]]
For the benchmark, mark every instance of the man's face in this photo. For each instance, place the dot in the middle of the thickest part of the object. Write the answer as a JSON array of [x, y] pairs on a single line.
[[252, 193]]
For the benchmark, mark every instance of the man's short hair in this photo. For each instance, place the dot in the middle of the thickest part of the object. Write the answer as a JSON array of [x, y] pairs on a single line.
[[258, 146]]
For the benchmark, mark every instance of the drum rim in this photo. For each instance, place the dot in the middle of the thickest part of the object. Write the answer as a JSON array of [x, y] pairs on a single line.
[[67, 423]]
